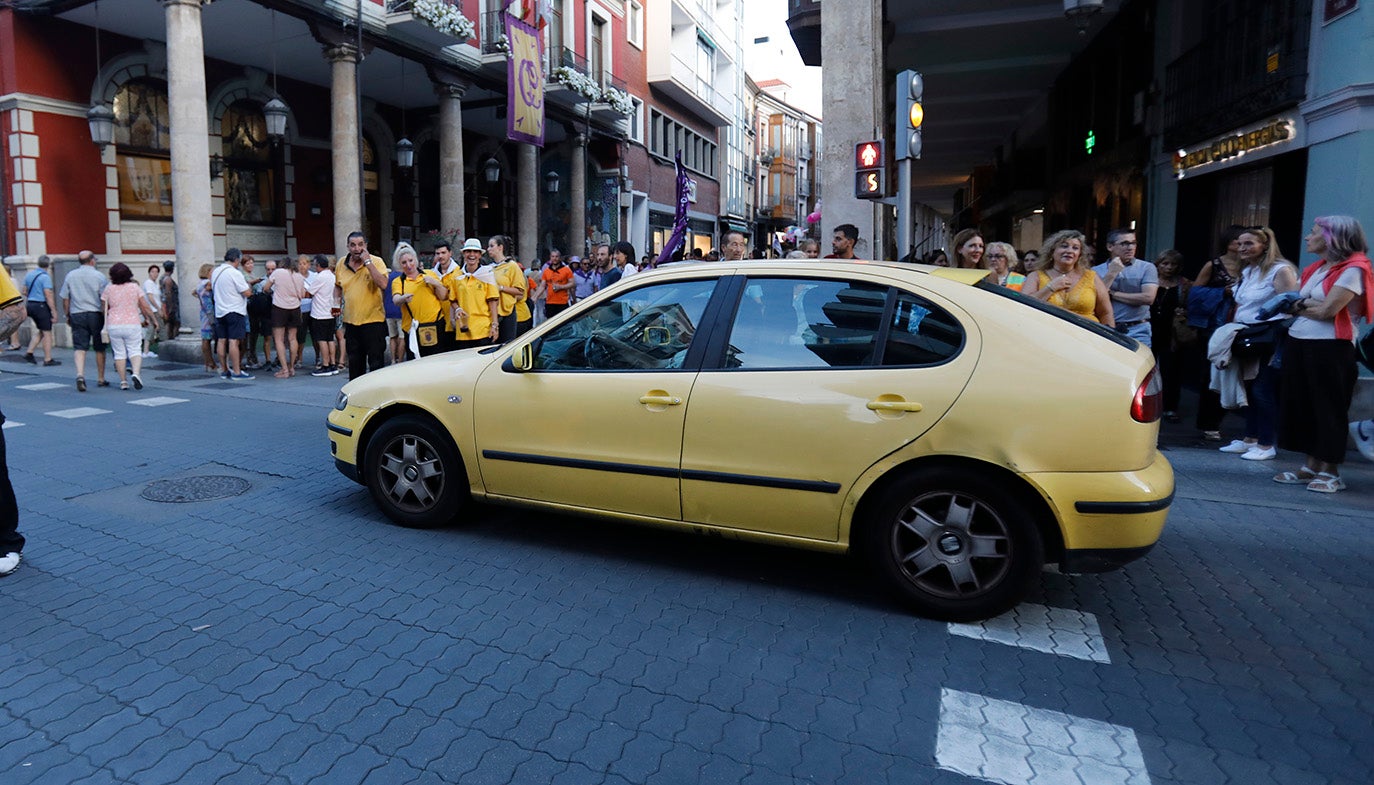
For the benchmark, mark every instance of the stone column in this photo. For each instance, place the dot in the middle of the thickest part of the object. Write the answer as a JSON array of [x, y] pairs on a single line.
[[854, 89], [451, 205], [527, 199], [190, 147], [577, 194], [344, 140]]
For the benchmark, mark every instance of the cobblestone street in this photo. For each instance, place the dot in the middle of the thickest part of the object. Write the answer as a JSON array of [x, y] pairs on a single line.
[[289, 634]]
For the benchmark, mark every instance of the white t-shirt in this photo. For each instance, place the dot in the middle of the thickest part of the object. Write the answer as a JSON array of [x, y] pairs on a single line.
[[321, 288], [150, 288], [1316, 329], [1254, 290], [628, 270], [229, 286]]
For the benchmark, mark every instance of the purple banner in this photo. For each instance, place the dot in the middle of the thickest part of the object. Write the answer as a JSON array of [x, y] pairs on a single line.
[[524, 84], [679, 234]]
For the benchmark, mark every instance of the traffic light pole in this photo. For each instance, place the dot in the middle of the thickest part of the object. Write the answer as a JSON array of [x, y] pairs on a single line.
[[904, 223]]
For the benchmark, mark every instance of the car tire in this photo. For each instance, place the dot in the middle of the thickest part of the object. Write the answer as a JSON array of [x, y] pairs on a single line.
[[415, 474], [951, 545]]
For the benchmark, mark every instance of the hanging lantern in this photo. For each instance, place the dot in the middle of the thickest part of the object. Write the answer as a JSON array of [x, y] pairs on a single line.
[[274, 112], [101, 120], [492, 169], [405, 153]]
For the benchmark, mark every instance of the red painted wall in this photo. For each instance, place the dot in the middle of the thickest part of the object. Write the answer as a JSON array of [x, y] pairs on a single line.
[[73, 212]]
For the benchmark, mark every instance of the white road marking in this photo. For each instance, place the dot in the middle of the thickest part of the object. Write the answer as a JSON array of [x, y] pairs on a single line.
[[1005, 742], [1061, 631], [158, 401], [12, 424], [81, 411], [41, 386]]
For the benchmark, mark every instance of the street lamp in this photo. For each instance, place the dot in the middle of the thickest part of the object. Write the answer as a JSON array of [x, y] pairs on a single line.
[[1080, 12], [492, 169], [405, 153], [101, 120], [274, 113], [551, 182]]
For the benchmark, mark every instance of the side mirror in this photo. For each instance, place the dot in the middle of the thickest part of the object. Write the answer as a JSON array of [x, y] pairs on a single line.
[[657, 336], [523, 359]]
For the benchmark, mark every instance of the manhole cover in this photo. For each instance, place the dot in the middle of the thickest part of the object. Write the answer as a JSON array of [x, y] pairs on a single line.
[[195, 489]]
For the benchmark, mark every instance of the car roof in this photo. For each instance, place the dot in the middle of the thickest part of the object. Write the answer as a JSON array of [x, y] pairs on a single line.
[[800, 266]]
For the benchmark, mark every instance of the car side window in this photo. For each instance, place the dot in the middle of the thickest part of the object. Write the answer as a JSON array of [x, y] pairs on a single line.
[[805, 323], [921, 333], [645, 328]]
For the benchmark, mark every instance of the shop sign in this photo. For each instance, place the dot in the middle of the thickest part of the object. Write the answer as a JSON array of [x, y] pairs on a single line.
[[1278, 131]]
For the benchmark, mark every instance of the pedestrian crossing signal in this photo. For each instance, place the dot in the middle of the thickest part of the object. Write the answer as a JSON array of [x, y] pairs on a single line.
[[870, 170]]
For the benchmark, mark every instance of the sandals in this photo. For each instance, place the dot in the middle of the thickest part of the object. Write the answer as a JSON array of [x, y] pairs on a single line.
[[1326, 483], [1302, 476]]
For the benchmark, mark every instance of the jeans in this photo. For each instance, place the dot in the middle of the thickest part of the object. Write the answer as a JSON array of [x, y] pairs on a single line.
[[1262, 415], [1141, 332]]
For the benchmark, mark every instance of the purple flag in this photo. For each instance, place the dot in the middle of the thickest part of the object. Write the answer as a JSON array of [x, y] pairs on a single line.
[[524, 84], [679, 218]]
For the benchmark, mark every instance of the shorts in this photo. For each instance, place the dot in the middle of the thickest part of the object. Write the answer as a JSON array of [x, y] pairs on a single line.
[[322, 330], [40, 313], [86, 327], [285, 317], [393, 328], [231, 326]]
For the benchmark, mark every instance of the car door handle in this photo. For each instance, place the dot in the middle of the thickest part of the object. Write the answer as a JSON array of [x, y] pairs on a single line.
[[660, 400], [894, 406]]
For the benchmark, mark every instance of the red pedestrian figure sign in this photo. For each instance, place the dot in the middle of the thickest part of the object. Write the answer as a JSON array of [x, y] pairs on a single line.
[[870, 173]]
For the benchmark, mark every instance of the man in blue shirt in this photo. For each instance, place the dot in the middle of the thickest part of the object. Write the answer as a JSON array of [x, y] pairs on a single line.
[[38, 301]]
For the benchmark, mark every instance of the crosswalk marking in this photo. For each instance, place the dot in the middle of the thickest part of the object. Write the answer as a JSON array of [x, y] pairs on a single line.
[[80, 411], [1006, 742], [12, 424], [41, 386], [157, 401], [1060, 631]]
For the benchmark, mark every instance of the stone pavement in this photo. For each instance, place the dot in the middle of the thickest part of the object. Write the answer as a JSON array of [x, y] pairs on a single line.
[[288, 634]]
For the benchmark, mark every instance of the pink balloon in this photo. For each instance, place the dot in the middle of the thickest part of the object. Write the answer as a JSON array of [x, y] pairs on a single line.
[[814, 217]]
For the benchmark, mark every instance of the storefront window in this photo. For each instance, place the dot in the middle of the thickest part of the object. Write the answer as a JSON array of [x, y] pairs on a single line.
[[250, 192], [143, 150]]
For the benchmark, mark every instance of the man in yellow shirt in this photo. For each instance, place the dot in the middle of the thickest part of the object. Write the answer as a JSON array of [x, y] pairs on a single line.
[[475, 300], [12, 314], [422, 297], [514, 311], [362, 277]]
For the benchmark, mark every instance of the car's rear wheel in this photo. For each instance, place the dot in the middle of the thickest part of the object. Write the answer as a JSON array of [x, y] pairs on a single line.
[[952, 546], [414, 473]]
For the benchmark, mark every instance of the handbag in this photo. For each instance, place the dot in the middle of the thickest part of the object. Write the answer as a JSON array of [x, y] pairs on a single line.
[[1184, 333], [426, 333], [1257, 341]]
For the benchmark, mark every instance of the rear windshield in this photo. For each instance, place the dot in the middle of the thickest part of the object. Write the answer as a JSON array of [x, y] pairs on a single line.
[[1059, 313]]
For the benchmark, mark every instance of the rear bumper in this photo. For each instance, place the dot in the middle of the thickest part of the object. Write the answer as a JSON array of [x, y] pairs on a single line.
[[1108, 519]]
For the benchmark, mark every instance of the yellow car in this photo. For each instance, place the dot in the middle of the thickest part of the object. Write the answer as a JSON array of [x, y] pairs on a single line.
[[955, 434]]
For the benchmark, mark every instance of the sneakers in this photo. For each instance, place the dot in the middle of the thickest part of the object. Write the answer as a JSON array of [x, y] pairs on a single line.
[[1255, 453], [1362, 432], [1211, 436], [81, 384], [138, 383], [102, 383], [322, 371], [123, 385], [1237, 446], [224, 374], [9, 563], [52, 362], [241, 375], [28, 358]]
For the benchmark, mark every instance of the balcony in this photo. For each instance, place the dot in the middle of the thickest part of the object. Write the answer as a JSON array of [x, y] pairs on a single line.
[[804, 22], [679, 80], [1257, 68], [437, 23], [494, 33]]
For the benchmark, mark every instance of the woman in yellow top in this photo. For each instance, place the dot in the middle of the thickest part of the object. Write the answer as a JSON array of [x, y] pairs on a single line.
[[421, 297], [474, 300], [511, 282], [1066, 281]]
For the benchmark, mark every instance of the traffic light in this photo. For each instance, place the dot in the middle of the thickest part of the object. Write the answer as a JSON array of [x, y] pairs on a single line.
[[870, 171], [910, 92]]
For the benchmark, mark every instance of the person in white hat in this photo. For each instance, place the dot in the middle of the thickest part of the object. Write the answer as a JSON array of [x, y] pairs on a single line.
[[475, 298]]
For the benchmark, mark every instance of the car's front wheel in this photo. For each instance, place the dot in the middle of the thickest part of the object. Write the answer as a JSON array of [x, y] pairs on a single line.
[[953, 546], [414, 473]]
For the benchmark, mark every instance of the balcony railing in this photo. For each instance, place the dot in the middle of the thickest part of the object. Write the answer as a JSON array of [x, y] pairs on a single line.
[[1257, 68]]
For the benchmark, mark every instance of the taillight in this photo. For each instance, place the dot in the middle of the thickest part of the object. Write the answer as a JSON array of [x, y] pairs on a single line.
[[1148, 402]]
